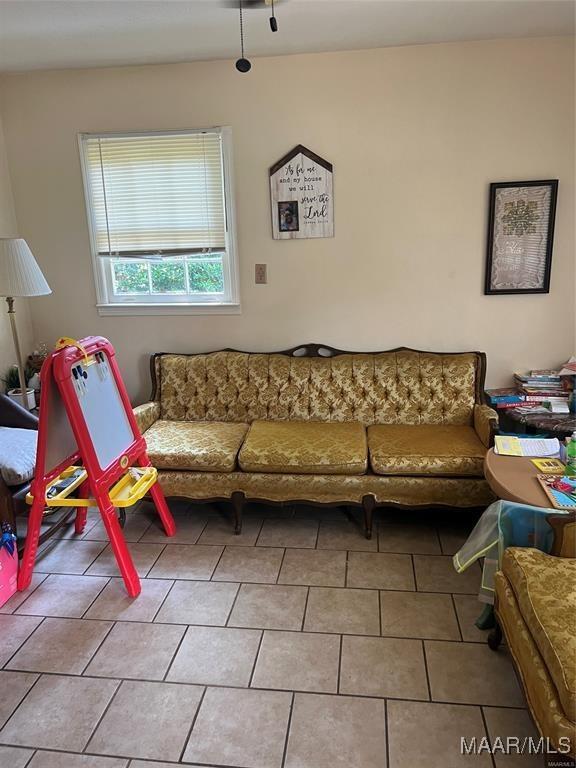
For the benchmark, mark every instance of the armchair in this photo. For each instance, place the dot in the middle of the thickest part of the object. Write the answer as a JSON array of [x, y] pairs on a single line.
[[535, 605]]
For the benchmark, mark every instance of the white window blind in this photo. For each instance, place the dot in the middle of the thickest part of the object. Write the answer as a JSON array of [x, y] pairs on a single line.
[[161, 216], [156, 194]]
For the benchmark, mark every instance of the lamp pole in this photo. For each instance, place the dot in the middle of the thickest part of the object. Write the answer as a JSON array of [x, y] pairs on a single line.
[[23, 386]]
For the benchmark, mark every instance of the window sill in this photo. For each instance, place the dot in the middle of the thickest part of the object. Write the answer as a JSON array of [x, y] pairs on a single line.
[[135, 310]]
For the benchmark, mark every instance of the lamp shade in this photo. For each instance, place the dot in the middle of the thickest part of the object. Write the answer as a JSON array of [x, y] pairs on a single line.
[[20, 275]]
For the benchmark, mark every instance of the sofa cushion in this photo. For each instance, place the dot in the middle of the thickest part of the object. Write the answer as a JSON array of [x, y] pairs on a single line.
[[545, 590], [425, 450], [209, 446], [402, 387], [305, 447], [17, 454]]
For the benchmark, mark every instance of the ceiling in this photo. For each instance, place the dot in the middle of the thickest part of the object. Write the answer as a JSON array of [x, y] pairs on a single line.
[[55, 34]]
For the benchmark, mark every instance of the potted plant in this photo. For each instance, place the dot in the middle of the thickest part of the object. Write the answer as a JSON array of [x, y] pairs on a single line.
[[12, 384]]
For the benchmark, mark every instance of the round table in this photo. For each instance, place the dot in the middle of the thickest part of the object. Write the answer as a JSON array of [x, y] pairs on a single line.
[[513, 478]]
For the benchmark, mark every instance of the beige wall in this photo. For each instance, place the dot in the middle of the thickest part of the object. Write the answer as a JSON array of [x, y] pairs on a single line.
[[8, 228], [415, 135]]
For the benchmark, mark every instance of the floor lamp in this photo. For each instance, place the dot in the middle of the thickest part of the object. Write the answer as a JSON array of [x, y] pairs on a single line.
[[20, 276]]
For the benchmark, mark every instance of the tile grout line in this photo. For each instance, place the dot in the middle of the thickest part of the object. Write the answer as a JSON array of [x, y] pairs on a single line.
[[157, 611], [305, 610], [175, 653], [387, 733], [281, 564], [182, 623], [19, 704], [91, 603], [231, 611], [288, 726], [487, 733], [23, 643], [158, 556], [220, 556], [260, 641], [339, 672], [104, 713], [100, 644], [426, 669], [192, 724], [457, 618], [414, 573]]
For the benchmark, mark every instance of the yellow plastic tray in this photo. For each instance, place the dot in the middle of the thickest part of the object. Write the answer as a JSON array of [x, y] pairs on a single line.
[[127, 491]]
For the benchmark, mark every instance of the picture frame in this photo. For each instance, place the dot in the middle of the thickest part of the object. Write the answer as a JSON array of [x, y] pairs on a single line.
[[288, 216], [521, 219]]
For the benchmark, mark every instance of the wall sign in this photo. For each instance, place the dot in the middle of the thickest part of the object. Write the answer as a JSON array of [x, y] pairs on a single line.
[[301, 196]]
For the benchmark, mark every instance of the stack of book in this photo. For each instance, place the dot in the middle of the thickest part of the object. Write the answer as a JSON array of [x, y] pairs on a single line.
[[539, 390]]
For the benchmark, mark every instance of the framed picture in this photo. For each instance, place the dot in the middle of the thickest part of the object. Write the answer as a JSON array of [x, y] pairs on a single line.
[[288, 216], [520, 236]]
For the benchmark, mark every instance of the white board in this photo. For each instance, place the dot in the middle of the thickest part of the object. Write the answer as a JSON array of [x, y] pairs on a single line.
[[103, 411], [301, 196], [60, 440]]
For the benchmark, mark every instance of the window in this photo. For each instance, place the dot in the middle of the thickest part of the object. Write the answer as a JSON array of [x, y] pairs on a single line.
[[161, 221]]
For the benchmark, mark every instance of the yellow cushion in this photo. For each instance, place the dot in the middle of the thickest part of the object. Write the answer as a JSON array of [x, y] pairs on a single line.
[[305, 447], [425, 450], [545, 588], [403, 387], [209, 446]]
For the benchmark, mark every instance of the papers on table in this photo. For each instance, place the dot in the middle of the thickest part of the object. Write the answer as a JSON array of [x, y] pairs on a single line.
[[526, 446]]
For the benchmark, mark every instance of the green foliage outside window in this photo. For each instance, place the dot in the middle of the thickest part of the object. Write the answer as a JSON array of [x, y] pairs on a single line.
[[168, 277], [205, 276], [131, 277]]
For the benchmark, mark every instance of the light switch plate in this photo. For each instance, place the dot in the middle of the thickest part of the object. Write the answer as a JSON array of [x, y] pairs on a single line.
[[261, 274]]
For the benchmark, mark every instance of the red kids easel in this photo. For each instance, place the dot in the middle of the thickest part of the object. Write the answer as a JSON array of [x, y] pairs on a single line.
[[89, 441]]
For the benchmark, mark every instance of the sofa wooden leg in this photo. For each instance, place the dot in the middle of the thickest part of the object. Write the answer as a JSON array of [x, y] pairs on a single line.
[[368, 505], [495, 637], [238, 502]]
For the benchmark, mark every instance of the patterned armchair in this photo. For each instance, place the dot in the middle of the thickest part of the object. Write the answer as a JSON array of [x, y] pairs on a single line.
[[535, 608], [318, 425]]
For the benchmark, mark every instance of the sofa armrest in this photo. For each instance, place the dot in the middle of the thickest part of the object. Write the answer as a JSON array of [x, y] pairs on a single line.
[[564, 527], [485, 423], [13, 415], [146, 414]]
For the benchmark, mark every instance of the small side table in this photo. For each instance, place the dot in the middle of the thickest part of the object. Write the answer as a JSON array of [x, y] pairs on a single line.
[[513, 479], [558, 425]]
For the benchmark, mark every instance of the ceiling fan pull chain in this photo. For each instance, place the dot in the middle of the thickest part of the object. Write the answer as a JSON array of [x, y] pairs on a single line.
[[243, 64]]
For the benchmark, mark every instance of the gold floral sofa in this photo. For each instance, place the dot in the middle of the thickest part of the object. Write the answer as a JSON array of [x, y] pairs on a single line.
[[318, 425], [535, 605]]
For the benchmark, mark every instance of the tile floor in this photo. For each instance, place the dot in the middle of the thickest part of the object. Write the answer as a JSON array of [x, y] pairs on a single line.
[[298, 644]]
